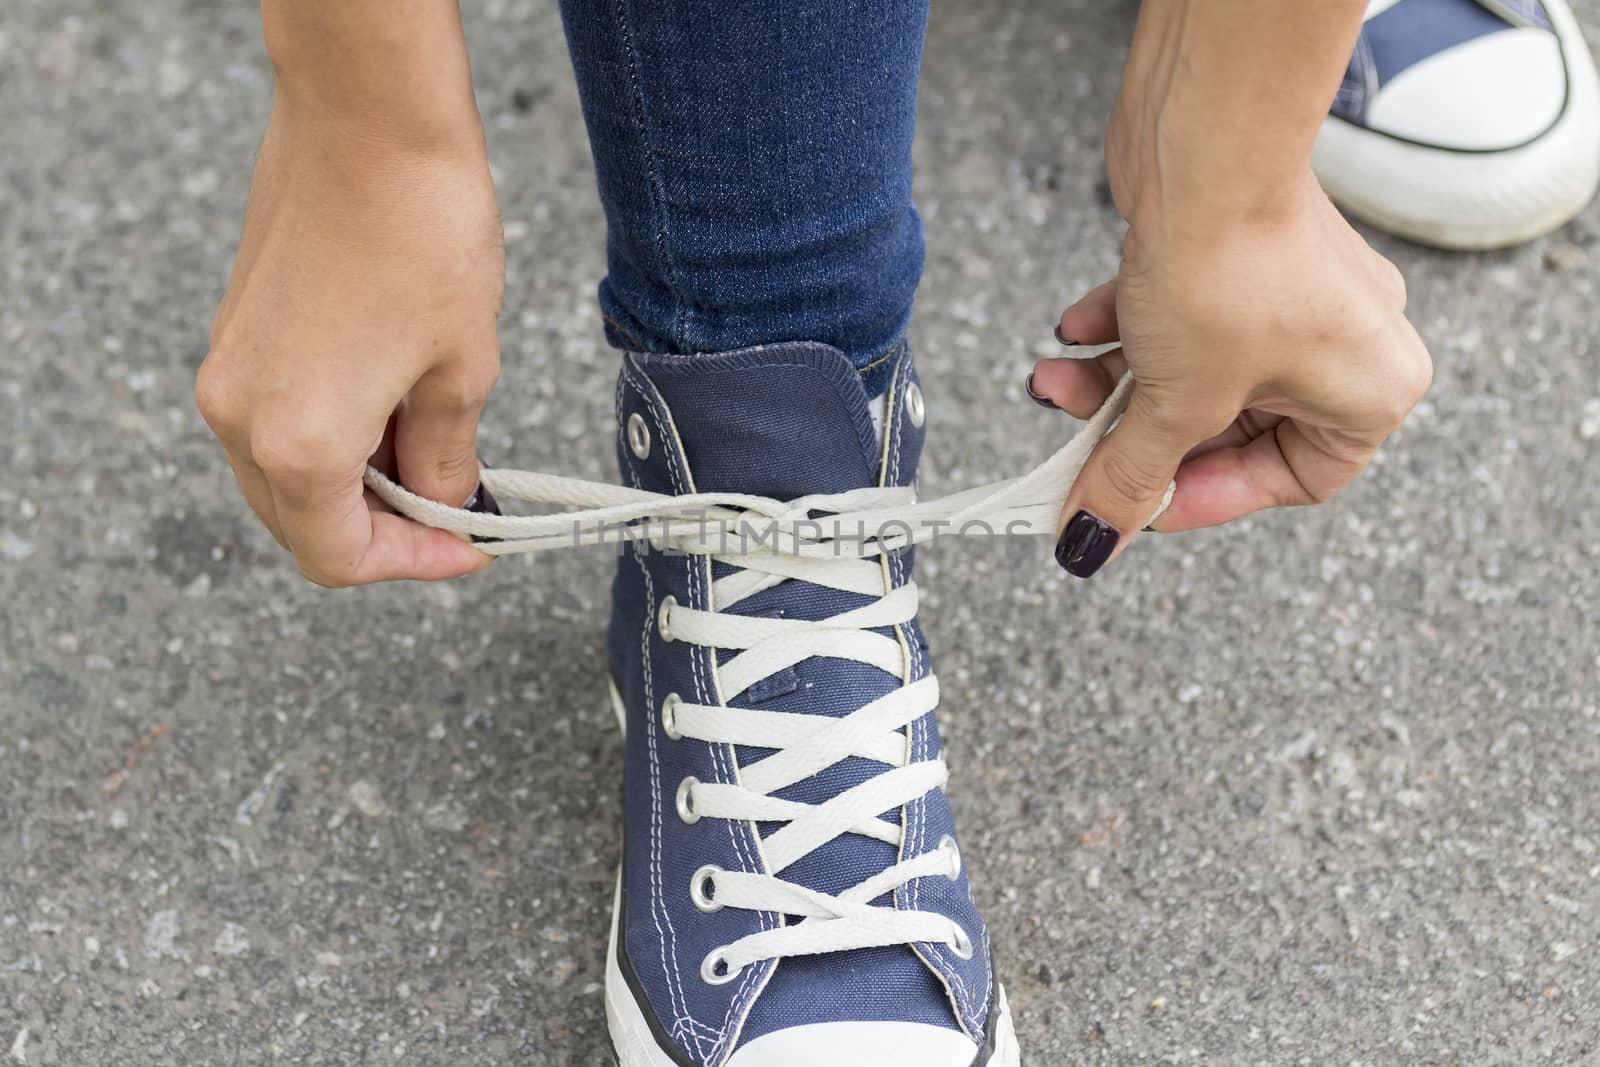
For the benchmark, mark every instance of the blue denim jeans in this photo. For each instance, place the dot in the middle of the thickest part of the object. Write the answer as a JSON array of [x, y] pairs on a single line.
[[754, 162]]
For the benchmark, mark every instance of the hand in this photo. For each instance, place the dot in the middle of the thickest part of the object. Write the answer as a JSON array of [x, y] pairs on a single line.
[[358, 326], [1271, 359]]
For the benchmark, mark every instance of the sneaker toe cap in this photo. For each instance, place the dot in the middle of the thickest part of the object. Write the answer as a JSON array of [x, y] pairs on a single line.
[[858, 1044], [1491, 93]]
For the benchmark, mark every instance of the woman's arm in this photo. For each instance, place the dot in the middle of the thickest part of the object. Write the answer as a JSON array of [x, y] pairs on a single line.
[[359, 321], [1220, 105], [392, 71], [1268, 341]]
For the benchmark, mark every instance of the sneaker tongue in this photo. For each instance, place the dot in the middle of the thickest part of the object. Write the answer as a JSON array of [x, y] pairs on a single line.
[[781, 421]]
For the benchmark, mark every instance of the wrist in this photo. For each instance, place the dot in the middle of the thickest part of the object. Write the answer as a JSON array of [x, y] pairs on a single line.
[[350, 129], [374, 194], [1175, 172], [1189, 209], [384, 74], [1220, 107]]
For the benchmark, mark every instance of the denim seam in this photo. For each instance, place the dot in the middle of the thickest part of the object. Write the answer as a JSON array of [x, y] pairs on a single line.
[[633, 340], [652, 173], [894, 350]]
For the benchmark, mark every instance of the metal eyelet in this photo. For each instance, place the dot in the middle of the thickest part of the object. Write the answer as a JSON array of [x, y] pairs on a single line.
[[915, 411], [669, 716], [703, 888], [960, 943], [708, 968], [638, 436], [685, 811], [664, 618], [948, 844]]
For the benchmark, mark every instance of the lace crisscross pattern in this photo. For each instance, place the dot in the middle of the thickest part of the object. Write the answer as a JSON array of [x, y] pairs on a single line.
[[838, 541]]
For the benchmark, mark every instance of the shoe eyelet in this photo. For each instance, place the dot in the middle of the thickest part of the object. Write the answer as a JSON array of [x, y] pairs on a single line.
[[669, 716], [948, 845], [709, 968], [664, 618], [638, 436], [685, 811], [702, 888], [960, 942], [915, 410]]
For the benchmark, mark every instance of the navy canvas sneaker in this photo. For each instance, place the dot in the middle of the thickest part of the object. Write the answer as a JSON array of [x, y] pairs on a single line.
[[792, 892], [1465, 123]]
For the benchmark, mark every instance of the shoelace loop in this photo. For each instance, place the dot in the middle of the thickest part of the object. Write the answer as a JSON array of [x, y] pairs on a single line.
[[863, 522]]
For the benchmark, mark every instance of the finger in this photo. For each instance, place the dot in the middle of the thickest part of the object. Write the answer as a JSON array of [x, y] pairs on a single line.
[[1125, 480], [436, 434], [1282, 468], [1092, 320], [1250, 424], [337, 540], [340, 541], [257, 493], [383, 457], [1077, 386], [1321, 462], [383, 460]]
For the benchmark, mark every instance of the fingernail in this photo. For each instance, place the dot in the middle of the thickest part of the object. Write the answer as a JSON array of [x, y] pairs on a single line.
[[483, 503], [1064, 340], [1042, 401], [1085, 544]]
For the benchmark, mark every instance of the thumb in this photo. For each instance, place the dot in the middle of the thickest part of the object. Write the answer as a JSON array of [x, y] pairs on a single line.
[[436, 437], [1123, 485]]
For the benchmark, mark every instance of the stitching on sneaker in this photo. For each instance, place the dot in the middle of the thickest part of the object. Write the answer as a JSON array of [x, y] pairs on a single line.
[[659, 911], [719, 757]]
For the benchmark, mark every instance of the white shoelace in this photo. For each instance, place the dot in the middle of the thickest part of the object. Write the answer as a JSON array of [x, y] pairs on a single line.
[[764, 542]]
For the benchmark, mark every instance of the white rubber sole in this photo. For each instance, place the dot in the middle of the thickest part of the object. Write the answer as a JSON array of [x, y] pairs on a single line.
[[635, 1045], [1473, 201], [634, 1041]]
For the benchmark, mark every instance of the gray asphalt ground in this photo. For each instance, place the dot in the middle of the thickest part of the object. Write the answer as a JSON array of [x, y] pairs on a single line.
[[1317, 789]]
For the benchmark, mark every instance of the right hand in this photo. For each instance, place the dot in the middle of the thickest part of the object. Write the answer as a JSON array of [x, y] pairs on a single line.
[[358, 326]]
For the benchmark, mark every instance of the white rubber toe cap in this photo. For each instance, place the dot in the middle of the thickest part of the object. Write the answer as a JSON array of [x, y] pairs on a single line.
[[858, 1044], [1491, 93]]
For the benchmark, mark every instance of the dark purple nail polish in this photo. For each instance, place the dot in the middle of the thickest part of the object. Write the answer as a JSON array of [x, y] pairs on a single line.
[[1085, 544], [1063, 340], [1042, 401], [483, 502]]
